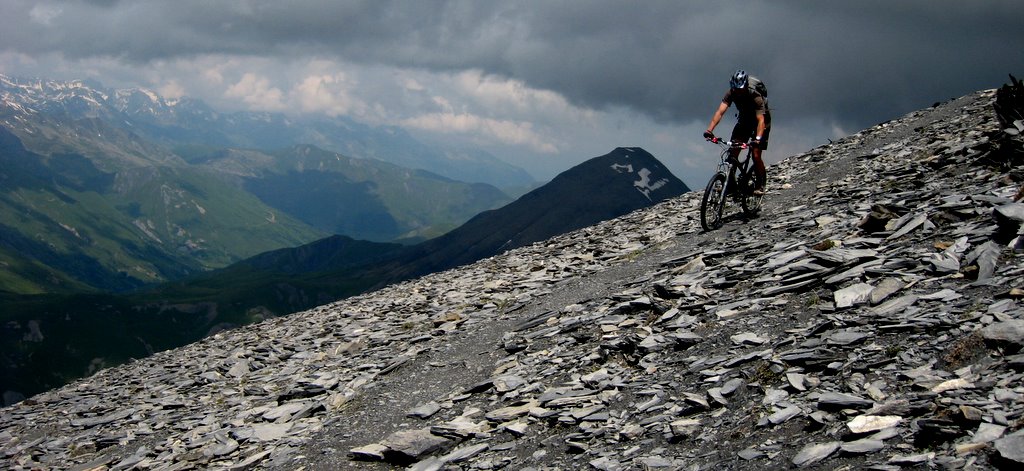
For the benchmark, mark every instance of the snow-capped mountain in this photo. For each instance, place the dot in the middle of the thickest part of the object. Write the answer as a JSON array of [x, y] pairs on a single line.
[[190, 122]]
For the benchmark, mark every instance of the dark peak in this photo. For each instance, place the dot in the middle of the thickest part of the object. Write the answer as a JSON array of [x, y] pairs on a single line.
[[629, 169]]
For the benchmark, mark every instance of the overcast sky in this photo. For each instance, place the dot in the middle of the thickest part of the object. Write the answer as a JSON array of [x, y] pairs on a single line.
[[542, 84]]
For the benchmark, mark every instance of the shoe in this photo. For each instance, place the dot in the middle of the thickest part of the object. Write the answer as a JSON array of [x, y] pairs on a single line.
[[758, 192]]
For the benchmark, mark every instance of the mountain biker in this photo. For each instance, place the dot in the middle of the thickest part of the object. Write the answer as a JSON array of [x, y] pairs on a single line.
[[754, 122]]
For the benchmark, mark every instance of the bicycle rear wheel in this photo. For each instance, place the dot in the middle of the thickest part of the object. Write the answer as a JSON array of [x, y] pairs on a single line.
[[713, 203], [752, 204]]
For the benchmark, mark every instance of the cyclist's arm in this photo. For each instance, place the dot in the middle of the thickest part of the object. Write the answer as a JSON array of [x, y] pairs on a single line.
[[722, 108], [761, 107]]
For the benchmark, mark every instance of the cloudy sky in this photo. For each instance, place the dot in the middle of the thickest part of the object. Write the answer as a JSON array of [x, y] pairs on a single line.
[[543, 84]]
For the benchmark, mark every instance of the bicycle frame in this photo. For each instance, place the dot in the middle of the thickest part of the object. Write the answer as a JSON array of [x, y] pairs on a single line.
[[730, 169], [733, 176]]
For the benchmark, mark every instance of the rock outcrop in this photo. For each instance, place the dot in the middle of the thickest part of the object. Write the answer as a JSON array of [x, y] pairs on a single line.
[[869, 318]]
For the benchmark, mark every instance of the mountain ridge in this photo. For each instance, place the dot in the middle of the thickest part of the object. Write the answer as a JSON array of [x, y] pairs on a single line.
[[868, 318]]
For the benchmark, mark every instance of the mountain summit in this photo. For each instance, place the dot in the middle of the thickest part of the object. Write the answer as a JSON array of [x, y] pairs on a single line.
[[604, 187]]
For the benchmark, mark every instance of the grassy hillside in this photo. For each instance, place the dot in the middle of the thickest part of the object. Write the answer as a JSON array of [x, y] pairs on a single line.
[[64, 218], [364, 199]]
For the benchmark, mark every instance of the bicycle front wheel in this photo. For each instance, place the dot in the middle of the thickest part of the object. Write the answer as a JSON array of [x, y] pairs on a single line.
[[713, 203]]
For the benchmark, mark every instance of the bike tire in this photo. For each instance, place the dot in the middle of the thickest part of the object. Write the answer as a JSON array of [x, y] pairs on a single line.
[[751, 204], [712, 205]]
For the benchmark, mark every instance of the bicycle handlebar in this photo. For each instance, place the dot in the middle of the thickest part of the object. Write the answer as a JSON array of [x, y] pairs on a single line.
[[720, 141]]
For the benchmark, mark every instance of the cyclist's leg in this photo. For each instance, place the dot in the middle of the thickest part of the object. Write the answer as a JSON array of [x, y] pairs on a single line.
[[760, 172], [742, 132], [759, 168]]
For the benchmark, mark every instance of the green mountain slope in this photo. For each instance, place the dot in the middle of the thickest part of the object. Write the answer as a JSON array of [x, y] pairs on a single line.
[[115, 231], [364, 199]]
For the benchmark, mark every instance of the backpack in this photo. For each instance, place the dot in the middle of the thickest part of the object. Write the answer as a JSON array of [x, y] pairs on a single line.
[[758, 86]]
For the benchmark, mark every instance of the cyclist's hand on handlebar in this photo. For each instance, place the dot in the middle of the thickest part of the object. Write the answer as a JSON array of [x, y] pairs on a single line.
[[709, 135]]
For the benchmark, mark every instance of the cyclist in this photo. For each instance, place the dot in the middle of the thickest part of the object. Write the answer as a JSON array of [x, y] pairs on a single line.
[[754, 122]]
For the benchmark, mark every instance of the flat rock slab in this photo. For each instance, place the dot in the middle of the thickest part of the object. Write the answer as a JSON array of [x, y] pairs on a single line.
[[1011, 447], [1007, 334], [863, 446], [873, 423], [811, 454], [834, 400], [859, 293], [412, 444]]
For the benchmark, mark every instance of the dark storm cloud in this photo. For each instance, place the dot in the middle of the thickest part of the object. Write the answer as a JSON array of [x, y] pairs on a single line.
[[851, 63]]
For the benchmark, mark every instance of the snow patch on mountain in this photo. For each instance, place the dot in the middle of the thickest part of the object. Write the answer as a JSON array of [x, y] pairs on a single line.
[[620, 168], [645, 185]]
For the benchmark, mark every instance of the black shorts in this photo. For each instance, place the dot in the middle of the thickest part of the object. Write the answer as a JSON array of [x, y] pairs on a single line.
[[746, 130]]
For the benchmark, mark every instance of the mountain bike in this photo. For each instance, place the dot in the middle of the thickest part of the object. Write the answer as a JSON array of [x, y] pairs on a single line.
[[734, 178]]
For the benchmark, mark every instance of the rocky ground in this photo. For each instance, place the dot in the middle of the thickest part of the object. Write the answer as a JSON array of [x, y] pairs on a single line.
[[869, 318]]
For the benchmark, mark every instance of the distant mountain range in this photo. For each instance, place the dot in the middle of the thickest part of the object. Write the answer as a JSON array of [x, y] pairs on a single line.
[[109, 190], [47, 341], [188, 126]]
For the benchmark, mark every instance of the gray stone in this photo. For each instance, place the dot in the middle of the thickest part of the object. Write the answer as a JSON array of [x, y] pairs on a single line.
[[797, 381], [431, 463], [414, 444], [460, 427], [1011, 447], [732, 386], [508, 383], [987, 258], [783, 415], [751, 454], [747, 338], [987, 432], [270, 432], [909, 460], [884, 289], [904, 226], [834, 400], [863, 446], [240, 368], [657, 462], [425, 411], [1009, 215], [605, 463], [505, 414], [371, 452], [464, 453], [872, 423], [284, 412], [685, 427], [774, 396], [1008, 335], [814, 453], [848, 337], [853, 295]]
